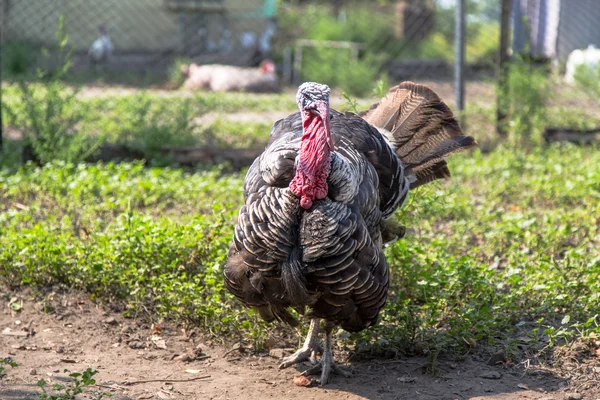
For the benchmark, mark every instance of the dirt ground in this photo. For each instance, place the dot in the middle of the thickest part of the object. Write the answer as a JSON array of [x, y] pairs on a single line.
[[138, 361]]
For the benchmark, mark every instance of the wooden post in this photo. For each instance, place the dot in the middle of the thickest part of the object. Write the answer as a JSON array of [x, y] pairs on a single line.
[[502, 69]]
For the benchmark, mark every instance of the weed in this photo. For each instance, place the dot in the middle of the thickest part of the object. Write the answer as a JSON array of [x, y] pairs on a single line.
[[6, 361], [81, 381], [381, 87], [350, 102]]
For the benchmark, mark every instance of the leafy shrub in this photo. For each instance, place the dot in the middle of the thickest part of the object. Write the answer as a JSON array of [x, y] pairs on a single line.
[[17, 58], [151, 127], [526, 100], [335, 68], [50, 114]]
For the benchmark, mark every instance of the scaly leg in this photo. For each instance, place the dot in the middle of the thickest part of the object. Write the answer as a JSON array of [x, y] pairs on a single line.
[[309, 350], [327, 365]]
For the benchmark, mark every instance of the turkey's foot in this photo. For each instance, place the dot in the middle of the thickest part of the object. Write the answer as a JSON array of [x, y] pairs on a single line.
[[309, 350], [327, 365]]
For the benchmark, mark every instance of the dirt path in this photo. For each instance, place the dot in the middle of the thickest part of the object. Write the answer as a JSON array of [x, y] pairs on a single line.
[[78, 334]]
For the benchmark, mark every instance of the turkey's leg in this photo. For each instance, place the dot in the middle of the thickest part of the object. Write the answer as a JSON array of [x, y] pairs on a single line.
[[327, 365], [309, 350]]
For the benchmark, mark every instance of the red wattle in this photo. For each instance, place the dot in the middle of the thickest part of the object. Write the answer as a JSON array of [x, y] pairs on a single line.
[[310, 181]]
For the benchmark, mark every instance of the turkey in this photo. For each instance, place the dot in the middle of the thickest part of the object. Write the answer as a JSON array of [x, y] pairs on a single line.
[[318, 209], [101, 49]]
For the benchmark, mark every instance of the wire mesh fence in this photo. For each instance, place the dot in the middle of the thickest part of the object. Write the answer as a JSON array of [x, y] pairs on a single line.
[[147, 35], [357, 46]]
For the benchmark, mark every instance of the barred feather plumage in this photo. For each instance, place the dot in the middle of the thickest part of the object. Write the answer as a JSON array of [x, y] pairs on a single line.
[[329, 258]]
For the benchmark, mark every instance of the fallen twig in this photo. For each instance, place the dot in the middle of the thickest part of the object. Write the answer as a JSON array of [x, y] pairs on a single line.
[[164, 380], [10, 332]]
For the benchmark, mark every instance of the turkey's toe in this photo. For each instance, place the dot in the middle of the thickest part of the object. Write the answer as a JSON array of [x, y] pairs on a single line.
[[301, 355], [326, 367], [308, 350]]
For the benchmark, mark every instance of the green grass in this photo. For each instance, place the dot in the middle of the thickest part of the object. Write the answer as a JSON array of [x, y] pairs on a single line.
[[203, 101], [507, 248], [144, 121]]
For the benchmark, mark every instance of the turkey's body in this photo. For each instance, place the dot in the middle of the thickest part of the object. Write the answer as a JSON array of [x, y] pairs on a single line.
[[333, 250], [327, 260]]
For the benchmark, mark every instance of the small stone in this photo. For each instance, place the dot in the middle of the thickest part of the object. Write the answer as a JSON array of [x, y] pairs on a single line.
[[575, 396], [32, 371], [111, 321], [126, 329], [407, 379], [276, 353], [136, 344], [302, 381], [497, 358], [490, 375]]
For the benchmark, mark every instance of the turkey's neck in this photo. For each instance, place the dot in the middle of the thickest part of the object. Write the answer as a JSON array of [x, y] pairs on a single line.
[[310, 181]]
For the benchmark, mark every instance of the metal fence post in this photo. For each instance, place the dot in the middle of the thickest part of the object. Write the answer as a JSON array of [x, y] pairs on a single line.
[[502, 69], [459, 58], [2, 50]]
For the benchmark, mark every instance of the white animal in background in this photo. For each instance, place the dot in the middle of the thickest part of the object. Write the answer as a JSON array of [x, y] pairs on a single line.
[[101, 49], [227, 78], [589, 57]]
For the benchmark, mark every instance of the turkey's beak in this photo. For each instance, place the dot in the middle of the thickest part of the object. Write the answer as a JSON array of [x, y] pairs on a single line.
[[322, 110]]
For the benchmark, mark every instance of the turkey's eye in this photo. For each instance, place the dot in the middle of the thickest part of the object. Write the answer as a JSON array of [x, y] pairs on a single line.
[[306, 101]]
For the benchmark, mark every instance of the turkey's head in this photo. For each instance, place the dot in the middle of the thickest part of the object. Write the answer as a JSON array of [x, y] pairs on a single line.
[[314, 159]]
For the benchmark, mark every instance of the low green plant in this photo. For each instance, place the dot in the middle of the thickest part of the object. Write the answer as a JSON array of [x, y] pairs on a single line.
[[588, 79], [223, 133], [504, 249], [81, 381], [7, 361]]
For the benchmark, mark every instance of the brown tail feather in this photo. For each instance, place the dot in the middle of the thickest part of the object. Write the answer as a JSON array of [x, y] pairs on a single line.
[[422, 129]]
